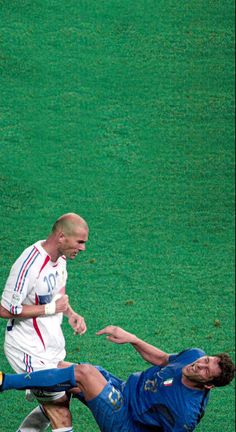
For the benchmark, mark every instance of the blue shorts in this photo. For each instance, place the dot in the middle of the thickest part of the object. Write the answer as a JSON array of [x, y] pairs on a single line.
[[110, 407]]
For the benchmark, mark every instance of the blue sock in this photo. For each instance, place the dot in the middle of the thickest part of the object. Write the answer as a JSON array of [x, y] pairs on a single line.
[[47, 379]]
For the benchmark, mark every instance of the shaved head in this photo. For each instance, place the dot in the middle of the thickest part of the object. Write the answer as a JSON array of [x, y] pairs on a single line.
[[69, 223]]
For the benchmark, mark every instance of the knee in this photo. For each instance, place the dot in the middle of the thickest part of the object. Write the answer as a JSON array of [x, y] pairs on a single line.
[[83, 372]]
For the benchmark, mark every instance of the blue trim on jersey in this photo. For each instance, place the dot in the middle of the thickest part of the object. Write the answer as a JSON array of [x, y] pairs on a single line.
[[31, 252], [36, 256], [10, 326], [28, 363], [44, 299]]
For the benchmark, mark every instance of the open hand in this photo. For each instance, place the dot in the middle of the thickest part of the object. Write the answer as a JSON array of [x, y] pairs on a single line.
[[117, 335]]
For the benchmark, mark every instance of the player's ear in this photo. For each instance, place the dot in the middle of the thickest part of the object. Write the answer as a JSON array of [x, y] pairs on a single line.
[[61, 236]]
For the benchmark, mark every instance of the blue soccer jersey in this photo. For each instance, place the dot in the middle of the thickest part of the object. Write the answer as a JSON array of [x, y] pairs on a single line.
[[155, 400], [157, 397]]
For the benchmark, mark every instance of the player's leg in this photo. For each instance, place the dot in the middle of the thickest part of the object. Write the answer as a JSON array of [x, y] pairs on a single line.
[[59, 415], [43, 379], [89, 380], [35, 421], [103, 394], [56, 407], [54, 380], [86, 376], [47, 379], [56, 414]]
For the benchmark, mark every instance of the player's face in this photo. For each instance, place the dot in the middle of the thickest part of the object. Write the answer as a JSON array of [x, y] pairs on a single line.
[[71, 245], [202, 370]]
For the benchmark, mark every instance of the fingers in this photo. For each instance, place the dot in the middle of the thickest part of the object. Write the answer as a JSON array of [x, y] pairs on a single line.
[[116, 334], [111, 339], [106, 331], [78, 324], [113, 334], [81, 328]]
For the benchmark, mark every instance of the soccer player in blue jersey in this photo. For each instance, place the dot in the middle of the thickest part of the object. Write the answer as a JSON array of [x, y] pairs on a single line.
[[170, 396]]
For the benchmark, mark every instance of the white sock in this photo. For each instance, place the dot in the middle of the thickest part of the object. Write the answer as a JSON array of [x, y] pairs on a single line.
[[36, 421], [65, 429]]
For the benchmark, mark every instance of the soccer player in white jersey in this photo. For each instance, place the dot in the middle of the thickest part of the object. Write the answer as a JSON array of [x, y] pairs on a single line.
[[34, 302]]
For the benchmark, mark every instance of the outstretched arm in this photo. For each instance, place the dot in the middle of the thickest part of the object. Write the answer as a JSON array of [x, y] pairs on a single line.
[[150, 353]]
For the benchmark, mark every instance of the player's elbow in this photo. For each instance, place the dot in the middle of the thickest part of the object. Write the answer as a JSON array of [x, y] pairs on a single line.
[[165, 360], [4, 312], [162, 360]]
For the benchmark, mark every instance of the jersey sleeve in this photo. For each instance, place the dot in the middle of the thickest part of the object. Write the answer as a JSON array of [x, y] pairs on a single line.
[[172, 358], [19, 282], [190, 355]]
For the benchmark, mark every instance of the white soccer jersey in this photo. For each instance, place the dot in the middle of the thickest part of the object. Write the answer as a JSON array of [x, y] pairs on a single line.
[[35, 279]]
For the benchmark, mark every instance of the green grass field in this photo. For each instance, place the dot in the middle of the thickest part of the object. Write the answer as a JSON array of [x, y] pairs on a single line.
[[123, 111]]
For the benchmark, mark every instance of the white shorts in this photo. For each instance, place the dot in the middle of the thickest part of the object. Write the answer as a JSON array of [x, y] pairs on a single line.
[[23, 362]]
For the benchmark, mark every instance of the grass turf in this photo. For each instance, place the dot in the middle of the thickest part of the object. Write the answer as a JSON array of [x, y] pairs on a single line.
[[123, 111]]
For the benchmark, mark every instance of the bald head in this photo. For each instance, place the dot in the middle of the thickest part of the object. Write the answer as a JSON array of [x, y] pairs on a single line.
[[69, 223]]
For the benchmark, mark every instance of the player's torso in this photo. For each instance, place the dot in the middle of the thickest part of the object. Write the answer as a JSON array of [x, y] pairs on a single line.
[[157, 390], [47, 282], [159, 398], [41, 335]]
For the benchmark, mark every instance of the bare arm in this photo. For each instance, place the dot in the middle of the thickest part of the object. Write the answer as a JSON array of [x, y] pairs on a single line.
[[150, 353], [28, 311], [32, 311], [62, 305], [76, 321]]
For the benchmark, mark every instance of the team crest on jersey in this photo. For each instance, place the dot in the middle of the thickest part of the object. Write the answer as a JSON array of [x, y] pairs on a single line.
[[151, 385], [168, 382]]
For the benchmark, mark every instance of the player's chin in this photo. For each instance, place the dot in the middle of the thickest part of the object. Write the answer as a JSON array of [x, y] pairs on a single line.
[[73, 256]]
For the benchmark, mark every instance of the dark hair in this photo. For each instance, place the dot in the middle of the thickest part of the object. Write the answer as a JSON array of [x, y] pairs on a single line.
[[227, 370]]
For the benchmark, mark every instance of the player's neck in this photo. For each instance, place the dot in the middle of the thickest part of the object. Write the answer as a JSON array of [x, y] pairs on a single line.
[[192, 384], [49, 246]]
